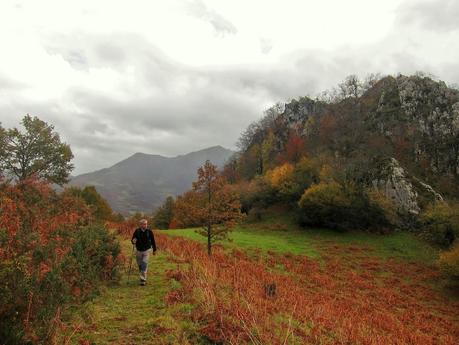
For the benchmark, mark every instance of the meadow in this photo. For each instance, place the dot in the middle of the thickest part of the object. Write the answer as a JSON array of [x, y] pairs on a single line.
[[281, 234], [274, 283]]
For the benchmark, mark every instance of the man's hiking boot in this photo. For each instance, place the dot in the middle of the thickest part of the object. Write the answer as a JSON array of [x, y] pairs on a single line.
[[142, 282]]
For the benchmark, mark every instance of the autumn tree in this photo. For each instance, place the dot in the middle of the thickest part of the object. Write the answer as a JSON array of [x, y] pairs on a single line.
[[268, 150], [37, 151], [294, 148], [250, 163], [256, 143], [99, 207], [217, 204], [231, 171], [185, 215], [351, 87], [164, 214]]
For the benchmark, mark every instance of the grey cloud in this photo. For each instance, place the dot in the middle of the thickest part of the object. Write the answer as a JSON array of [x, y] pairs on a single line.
[[220, 24], [265, 45], [116, 51], [171, 108], [74, 54], [109, 51], [8, 84], [77, 59], [431, 14]]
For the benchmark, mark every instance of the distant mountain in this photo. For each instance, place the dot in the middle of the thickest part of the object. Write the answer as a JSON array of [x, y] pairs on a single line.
[[143, 181]]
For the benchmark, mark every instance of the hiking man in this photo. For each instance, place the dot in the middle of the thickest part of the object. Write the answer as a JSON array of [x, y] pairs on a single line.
[[144, 241]]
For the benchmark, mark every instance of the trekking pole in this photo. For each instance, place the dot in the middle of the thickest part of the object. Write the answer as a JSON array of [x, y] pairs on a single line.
[[130, 263]]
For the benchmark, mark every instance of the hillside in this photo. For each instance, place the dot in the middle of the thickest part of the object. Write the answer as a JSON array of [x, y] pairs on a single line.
[[141, 182], [399, 133]]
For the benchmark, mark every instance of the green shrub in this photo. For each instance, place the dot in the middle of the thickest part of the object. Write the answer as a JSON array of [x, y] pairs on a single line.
[[440, 223], [36, 284], [94, 257], [379, 201], [257, 193], [334, 206], [449, 261]]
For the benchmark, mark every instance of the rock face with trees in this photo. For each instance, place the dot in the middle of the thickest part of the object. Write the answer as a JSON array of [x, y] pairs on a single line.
[[378, 154], [408, 123]]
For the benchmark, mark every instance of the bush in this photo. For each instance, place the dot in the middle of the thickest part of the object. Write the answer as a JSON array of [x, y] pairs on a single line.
[[35, 287], [256, 193], [47, 259], [449, 261], [334, 206], [282, 184], [281, 179], [379, 201], [289, 181], [440, 223]]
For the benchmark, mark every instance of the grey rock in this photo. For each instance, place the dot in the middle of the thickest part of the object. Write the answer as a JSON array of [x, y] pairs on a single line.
[[404, 190], [393, 182]]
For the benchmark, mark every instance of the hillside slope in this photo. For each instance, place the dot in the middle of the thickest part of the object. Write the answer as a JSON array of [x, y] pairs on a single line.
[[400, 133]]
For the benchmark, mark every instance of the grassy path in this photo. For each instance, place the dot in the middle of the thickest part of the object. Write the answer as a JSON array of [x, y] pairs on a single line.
[[128, 313]]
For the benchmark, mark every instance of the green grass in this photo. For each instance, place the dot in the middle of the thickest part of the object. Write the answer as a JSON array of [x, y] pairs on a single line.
[[283, 236], [276, 241], [127, 313]]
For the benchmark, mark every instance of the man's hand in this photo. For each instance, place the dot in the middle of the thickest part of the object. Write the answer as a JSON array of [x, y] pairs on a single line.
[[134, 240]]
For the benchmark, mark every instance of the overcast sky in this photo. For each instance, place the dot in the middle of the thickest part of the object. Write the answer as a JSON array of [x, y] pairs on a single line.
[[169, 77]]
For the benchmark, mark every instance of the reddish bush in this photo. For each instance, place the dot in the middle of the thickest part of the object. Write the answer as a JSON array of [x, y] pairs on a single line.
[[47, 258]]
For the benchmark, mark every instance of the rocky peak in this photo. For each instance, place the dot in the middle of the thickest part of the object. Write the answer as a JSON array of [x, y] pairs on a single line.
[[298, 112]]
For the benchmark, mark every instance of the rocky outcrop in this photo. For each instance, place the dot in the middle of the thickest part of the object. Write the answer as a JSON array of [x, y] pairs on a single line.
[[433, 111], [393, 182], [298, 113], [405, 191], [412, 118]]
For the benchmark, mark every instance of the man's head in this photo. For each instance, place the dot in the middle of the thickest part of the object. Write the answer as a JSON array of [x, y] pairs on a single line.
[[143, 223]]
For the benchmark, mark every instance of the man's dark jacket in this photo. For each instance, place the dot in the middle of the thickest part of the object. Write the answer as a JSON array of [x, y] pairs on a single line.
[[145, 239]]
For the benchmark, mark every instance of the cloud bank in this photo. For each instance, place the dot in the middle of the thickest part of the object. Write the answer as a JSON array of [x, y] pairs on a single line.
[[173, 79]]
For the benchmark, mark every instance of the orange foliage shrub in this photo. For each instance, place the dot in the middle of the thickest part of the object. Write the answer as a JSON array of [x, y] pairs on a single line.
[[47, 258], [280, 175]]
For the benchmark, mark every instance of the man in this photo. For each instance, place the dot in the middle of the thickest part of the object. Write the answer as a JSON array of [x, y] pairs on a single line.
[[144, 241]]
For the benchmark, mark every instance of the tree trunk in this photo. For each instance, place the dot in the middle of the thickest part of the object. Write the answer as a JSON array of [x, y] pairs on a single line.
[[209, 245], [209, 221]]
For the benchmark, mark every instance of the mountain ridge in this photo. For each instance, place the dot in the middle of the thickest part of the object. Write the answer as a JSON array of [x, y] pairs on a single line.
[[141, 182]]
